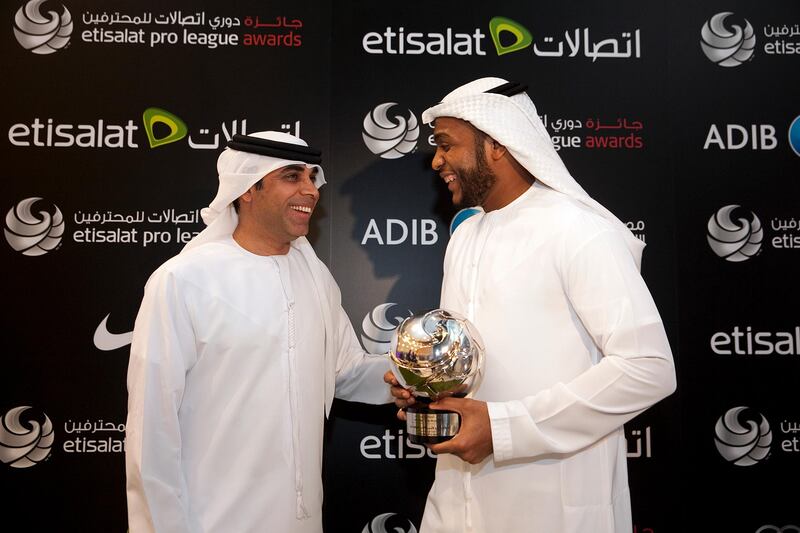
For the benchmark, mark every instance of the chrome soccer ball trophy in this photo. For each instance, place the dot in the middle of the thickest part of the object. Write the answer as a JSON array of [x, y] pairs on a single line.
[[434, 355]]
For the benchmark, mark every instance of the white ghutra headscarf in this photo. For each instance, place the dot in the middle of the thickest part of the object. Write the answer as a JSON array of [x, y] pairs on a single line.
[[512, 120], [239, 170]]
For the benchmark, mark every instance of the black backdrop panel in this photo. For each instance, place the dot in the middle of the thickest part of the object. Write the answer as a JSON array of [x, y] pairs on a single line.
[[116, 129]]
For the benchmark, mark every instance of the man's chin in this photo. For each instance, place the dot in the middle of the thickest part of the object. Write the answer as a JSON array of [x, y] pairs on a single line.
[[462, 203], [299, 232]]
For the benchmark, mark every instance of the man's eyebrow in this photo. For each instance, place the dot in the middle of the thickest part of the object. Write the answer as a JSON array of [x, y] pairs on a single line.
[[441, 136], [291, 168]]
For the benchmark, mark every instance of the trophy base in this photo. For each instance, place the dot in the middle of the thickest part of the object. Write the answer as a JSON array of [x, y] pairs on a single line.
[[430, 426]]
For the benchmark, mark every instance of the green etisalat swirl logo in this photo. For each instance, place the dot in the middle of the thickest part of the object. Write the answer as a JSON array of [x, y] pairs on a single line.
[[156, 115], [523, 37]]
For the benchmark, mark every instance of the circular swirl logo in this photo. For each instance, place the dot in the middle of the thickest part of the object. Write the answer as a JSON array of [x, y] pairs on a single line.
[[727, 47], [40, 34], [390, 138], [743, 436], [25, 442], [387, 523], [378, 329], [734, 241], [769, 528], [32, 235]]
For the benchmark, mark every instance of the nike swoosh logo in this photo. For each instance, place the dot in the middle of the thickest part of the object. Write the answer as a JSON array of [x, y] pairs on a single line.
[[107, 341]]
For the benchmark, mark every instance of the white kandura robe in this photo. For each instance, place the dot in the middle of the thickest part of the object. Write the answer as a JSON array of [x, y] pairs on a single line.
[[575, 347], [227, 391]]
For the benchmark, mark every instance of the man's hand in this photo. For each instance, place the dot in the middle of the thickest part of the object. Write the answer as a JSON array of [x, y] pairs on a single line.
[[402, 398], [473, 443]]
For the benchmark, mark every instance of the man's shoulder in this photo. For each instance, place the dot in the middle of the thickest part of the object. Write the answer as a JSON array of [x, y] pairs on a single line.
[[562, 214], [194, 262], [565, 224]]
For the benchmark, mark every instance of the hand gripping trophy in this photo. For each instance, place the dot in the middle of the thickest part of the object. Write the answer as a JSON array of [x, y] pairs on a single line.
[[434, 355]]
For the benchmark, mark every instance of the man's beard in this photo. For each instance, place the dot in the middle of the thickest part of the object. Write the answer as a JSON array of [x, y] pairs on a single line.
[[476, 181]]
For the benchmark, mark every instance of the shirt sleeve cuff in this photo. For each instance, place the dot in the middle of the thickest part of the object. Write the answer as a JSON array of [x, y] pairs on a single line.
[[501, 431]]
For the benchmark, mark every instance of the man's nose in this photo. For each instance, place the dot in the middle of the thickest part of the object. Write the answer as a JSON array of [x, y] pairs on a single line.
[[437, 161], [307, 187]]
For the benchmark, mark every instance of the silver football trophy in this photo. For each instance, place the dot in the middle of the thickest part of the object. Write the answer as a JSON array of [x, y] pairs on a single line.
[[434, 355]]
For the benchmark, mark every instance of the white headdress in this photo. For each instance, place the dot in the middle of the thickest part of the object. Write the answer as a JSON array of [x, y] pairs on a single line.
[[502, 110], [247, 159]]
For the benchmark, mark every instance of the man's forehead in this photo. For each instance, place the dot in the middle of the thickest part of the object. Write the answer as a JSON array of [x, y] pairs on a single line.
[[451, 126], [448, 122]]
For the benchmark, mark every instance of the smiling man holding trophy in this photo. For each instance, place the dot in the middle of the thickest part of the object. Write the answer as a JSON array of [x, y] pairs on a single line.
[[574, 344]]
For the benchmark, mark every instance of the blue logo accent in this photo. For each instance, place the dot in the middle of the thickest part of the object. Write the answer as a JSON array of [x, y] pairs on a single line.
[[794, 135], [461, 216]]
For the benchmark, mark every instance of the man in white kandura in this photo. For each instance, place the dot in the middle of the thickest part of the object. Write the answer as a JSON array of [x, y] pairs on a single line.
[[575, 346], [238, 345]]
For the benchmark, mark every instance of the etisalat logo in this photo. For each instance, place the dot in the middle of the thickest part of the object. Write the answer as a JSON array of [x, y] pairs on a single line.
[[510, 36], [727, 45], [507, 36], [735, 240], [389, 523], [153, 116], [26, 440], [378, 328], [390, 138], [743, 436], [40, 33], [161, 127], [32, 234]]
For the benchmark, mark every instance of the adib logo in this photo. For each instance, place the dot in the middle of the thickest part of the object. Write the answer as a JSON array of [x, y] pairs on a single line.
[[39, 33], [390, 138], [378, 328], [32, 234], [735, 240], [743, 436], [794, 135], [727, 45], [25, 440], [461, 216]]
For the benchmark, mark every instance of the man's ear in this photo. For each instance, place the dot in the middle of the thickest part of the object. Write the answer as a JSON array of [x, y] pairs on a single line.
[[247, 197], [496, 150]]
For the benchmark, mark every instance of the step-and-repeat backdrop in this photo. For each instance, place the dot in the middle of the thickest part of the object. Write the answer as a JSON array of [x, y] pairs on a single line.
[[682, 118]]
